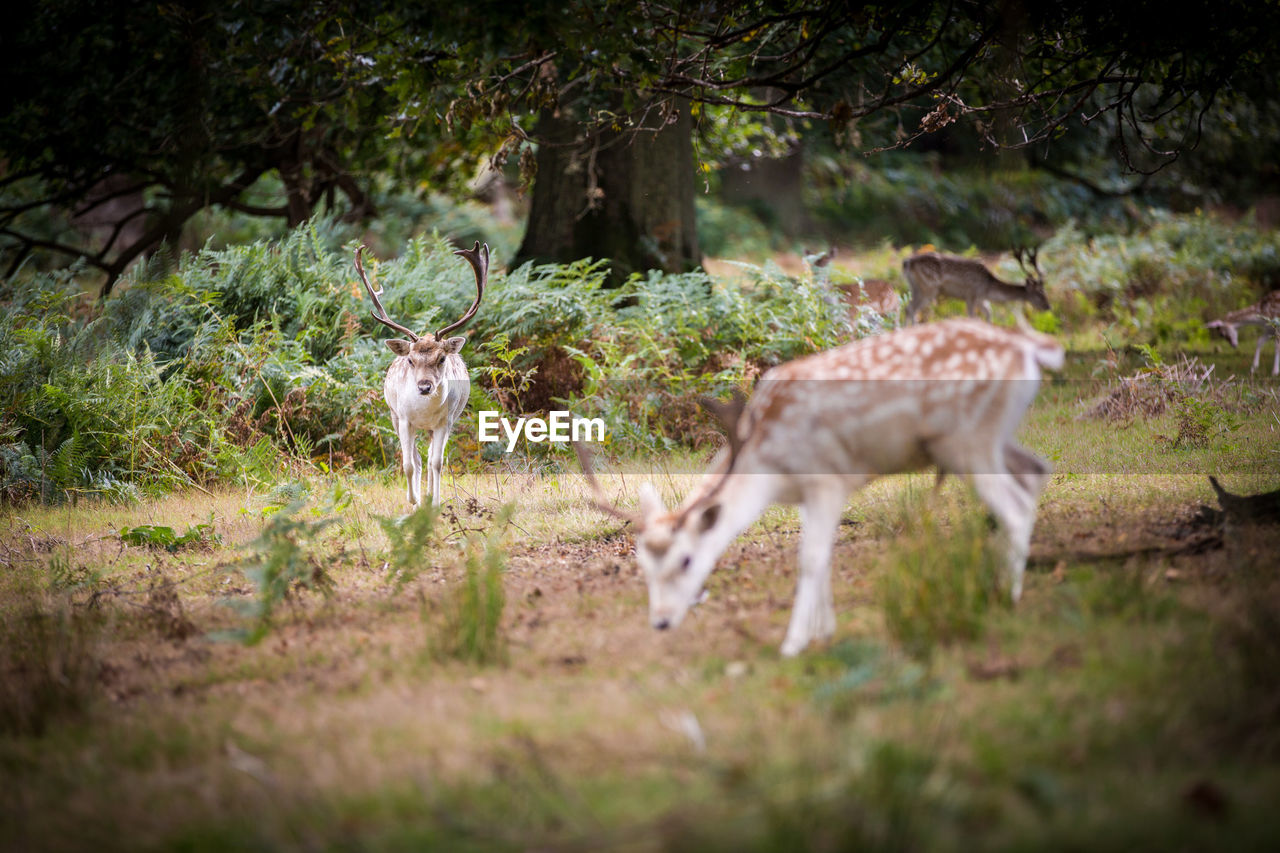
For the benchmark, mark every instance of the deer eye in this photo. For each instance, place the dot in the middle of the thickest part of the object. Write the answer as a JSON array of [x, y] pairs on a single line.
[[684, 564]]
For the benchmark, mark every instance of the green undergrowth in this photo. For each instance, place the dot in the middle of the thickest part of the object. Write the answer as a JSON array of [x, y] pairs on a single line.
[[909, 200], [256, 362], [1158, 285]]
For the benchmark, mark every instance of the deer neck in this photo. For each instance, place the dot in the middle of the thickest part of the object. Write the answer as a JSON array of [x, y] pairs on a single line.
[[741, 498], [1003, 291]]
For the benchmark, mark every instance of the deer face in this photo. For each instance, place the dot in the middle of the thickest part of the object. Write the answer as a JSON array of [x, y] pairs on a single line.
[[1036, 295], [1227, 330], [426, 359], [674, 553]]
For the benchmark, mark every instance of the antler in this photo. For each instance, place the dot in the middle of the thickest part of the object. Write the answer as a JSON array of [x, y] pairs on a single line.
[[479, 260], [379, 313], [1023, 255], [728, 413], [598, 500]]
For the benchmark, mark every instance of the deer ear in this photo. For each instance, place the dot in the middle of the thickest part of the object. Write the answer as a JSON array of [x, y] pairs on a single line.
[[650, 501], [399, 346], [454, 345]]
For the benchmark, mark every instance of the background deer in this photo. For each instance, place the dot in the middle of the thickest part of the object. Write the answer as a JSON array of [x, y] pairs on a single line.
[[873, 294], [931, 273], [948, 394], [819, 263], [427, 384], [1266, 315]]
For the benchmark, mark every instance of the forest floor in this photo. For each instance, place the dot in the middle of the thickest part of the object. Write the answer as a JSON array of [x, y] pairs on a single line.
[[1129, 701]]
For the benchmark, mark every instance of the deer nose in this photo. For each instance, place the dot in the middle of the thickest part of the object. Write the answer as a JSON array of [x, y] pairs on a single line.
[[662, 624], [425, 387]]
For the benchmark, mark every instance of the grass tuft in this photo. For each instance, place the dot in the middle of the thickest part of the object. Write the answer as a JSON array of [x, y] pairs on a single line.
[[939, 582], [290, 555], [409, 539], [468, 626], [49, 667]]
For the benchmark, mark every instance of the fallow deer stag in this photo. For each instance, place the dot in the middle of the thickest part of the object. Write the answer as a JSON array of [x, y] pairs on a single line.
[[427, 384], [933, 273], [1266, 315], [949, 394]]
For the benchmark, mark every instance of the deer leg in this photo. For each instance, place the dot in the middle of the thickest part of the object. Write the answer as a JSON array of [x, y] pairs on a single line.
[[435, 461], [917, 302], [1014, 508], [411, 461], [1262, 342], [430, 488], [813, 615]]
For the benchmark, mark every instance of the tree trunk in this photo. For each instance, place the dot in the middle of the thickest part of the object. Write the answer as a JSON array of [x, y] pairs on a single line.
[[624, 196]]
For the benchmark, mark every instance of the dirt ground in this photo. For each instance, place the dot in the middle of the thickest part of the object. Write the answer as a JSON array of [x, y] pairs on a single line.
[[597, 730]]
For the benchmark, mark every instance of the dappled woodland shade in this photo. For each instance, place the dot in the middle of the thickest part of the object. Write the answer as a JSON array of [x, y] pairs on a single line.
[[121, 121], [623, 196], [174, 108]]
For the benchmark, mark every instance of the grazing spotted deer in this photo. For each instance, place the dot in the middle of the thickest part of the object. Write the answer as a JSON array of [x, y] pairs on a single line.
[[1266, 315], [874, 294], [427, 384], [949, 394], [933, 273]]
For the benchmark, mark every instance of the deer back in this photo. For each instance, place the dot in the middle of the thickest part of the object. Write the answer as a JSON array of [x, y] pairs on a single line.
[[878, 405], [931, 273]]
